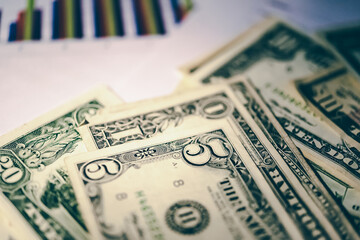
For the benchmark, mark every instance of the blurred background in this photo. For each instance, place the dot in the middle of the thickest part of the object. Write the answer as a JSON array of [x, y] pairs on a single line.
[[134, 46]]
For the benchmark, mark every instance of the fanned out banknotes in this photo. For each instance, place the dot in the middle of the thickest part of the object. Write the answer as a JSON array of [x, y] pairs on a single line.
[[37, 194], [261, 140]]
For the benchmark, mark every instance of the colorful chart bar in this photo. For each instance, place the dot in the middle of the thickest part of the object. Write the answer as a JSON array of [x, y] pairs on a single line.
[[67, 19], [148, 17], [108, 18], [181, 8], [0, 17], [27, 25]]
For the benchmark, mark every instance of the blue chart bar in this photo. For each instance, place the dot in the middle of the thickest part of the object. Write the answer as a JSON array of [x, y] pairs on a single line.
[[176, 10], [12, 32], [55, 22], [36, 31], [0, 18], [119, 23], [96, 12], [78, 19]]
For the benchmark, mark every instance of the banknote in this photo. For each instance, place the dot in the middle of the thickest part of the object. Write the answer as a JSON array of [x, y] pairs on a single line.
[[36, 193], [272, 56], [345, 41], [197, 183], [156, 119], [263, 116], [335, 95]]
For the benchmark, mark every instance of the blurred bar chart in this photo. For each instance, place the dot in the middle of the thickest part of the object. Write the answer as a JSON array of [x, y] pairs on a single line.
[[69, 19], [27, 26]]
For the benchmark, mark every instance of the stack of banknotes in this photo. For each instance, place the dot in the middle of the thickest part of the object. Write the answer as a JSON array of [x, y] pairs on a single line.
[[261, 140]]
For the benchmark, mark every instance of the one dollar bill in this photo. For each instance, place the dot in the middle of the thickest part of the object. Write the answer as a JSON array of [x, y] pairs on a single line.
[[36, 193], [343, 192]]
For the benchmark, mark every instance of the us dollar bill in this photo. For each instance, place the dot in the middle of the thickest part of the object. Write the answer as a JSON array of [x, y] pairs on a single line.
[[36, 192], [156, 119], [262, 114], [210, 189], [335, 95], [345, 42], [272, 55]]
